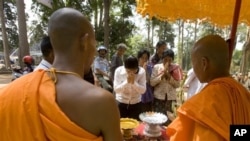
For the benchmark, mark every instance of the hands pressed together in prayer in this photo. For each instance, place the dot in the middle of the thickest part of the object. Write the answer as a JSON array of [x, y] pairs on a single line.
[[166, 73], [145, 65], [131, 78]]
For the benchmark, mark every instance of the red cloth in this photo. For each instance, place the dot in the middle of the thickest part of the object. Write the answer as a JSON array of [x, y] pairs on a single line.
[[176, 72]]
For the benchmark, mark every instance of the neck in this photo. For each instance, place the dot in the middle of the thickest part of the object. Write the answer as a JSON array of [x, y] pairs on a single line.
[[101, 56], [141, 64], [119, 54], [218, 75], [159, 54], [71, 66]]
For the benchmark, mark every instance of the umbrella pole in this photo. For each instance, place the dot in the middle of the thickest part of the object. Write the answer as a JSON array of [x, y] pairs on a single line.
[[234, 28]]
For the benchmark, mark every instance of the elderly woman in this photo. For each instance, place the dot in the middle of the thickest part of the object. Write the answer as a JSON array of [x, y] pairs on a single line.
[[165, 78]]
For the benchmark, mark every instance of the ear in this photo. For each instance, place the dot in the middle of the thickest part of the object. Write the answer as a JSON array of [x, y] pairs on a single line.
[[205, 62], [84, 41]]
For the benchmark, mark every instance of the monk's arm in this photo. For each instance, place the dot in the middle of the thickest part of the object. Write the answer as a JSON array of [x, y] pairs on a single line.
[[109, 119], [186, 129], [181, 129], [202, 133]]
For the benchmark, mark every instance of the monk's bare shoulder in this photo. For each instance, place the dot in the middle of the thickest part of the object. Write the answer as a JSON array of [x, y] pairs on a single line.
[[87, 105], [96, 93]]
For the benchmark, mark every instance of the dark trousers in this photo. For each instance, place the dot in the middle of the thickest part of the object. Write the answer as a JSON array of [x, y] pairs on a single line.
[[147, 107], [130, 110]]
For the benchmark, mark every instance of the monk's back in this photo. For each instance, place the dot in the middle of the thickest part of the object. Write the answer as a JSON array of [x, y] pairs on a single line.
[[78, 103]]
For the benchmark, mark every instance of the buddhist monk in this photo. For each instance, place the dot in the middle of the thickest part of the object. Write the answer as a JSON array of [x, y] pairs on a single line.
[[208, 115], [57, 104]]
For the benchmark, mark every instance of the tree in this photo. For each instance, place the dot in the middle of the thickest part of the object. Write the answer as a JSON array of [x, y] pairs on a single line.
[[245, 55], [137, 42], [39, 26], [166, 33], [4, 36], [236, 61], [180, 44], [107, 4], [121, 28], [207, 28], [10, 23], [22, 28]]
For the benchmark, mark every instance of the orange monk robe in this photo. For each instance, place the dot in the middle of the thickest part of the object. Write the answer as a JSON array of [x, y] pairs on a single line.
[[28, 112], [208, 115]]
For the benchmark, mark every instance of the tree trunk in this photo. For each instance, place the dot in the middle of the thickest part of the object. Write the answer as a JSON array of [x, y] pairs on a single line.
[[160, 32], [107, 4], [195, 30], [178, 43], [23, 40], [94, 5], [100, 14], [182, 44], [149, 29], [245, 54], [4, 37], [152, 33]]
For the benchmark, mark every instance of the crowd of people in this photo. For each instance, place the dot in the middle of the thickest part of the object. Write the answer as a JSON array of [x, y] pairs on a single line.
[[75, 95], [243, 79]]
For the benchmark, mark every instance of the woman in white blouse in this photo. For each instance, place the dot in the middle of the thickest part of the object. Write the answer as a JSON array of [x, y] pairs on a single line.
[[129, 85]]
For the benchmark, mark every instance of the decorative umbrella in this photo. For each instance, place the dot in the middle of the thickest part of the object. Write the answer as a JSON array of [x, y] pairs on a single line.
[[220, 12]]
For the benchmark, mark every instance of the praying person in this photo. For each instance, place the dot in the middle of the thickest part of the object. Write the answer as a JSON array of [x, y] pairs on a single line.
[[129, 85]]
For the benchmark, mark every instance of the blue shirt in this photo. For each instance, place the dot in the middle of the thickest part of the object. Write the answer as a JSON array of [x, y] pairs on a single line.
[[102, 64]]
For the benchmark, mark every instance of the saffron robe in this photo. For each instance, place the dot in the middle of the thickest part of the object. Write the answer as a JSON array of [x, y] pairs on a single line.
[[208, 115], [29, 112]]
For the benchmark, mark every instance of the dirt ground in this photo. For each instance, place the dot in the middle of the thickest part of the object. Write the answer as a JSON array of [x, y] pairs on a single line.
[[5, 79]]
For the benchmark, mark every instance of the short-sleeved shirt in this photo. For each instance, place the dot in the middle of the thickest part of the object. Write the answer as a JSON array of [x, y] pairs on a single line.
[[102, 64]]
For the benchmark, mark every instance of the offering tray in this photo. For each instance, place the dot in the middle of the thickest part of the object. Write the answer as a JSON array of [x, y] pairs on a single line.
[[153, 117], [128, 123], [127, 126], [153, 121]]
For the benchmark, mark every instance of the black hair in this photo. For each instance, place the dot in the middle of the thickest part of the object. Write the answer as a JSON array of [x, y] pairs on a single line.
[[141, 52], [160, 43], [46, 46], [131, 62], [169, 53]]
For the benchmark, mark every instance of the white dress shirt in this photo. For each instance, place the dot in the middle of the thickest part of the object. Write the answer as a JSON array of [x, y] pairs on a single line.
[[126, 92], [193, 84], [43, 65]]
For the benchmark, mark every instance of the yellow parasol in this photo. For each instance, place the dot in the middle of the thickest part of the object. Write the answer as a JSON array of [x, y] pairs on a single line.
[[220, 12]]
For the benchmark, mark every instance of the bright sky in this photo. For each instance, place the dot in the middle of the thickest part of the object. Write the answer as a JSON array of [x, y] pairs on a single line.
[[32, 15]]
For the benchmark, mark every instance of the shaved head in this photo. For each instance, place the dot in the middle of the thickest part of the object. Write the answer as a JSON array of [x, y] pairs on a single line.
[[210, 58], [72, 37], [67, 25]]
